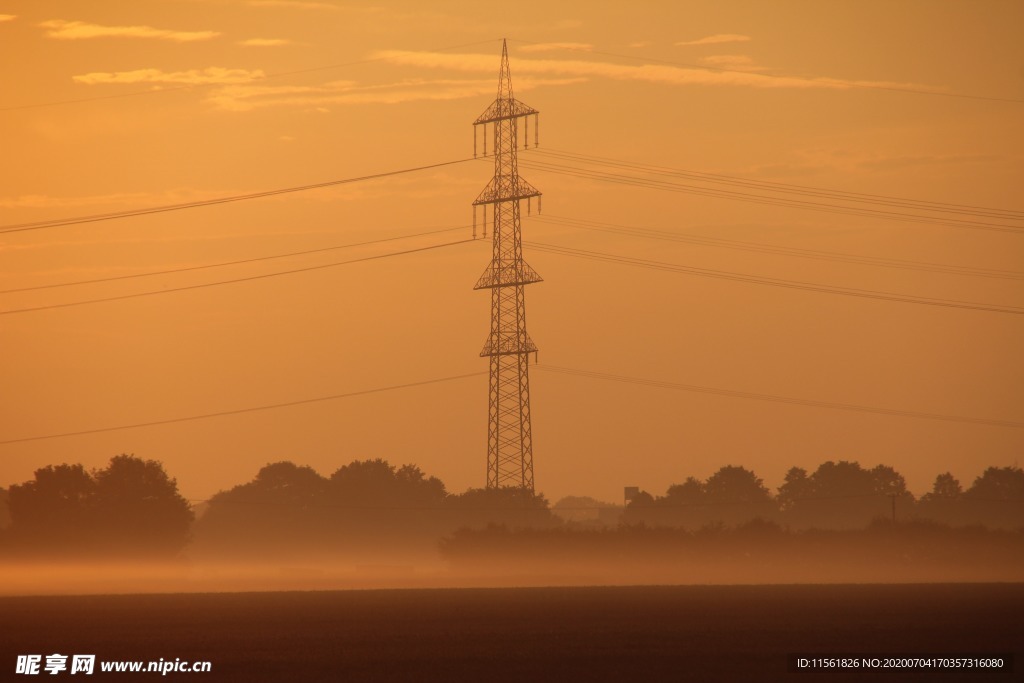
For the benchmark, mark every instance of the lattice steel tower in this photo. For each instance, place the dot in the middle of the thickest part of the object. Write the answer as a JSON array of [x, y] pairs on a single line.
[[509, 438]]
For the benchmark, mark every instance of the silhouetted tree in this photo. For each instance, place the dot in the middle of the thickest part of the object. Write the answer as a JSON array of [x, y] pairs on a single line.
[[510, 506], [732, 484], [138, 509], [998, 483], [377, 502], [375, 483], [367, 505], [885, 481], [946, 487], [843, 495], [682, 505], [131, 507], [944, 503], [282, 508], [690, 492], [732, 495], [736, 495], [842, 479], [996, 498], [5, 513], [638, 508], [642, 499], [53, 512], [419, 487], [797, 485]]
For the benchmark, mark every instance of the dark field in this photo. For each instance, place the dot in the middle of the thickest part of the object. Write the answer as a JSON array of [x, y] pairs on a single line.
[[687, 633]]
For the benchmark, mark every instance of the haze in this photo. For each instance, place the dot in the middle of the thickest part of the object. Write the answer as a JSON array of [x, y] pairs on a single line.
[[122, 105]]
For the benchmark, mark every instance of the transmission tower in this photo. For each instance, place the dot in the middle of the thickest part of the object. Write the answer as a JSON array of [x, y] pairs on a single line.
[[508, 347]]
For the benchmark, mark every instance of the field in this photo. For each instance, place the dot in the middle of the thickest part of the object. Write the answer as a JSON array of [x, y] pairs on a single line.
[[692, 633]]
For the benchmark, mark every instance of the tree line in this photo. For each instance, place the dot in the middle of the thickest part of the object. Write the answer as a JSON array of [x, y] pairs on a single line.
[[365, 505], [133, 507], [837, 495]]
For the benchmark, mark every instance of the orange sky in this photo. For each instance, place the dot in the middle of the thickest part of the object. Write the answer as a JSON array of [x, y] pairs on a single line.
[[121, 105]]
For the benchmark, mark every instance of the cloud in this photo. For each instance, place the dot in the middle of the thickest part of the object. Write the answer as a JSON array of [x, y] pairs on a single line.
[[80, 30], [208, 76], [41, 201], [640, 43], [549, 47], [900, 162], [8, 17], [740, 62], [789, 170], [315, 97], [295, 4], [652, 73], [264, 42], [717, 38]]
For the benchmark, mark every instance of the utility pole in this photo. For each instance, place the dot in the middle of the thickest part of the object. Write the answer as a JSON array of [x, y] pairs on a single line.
[[508, 346]]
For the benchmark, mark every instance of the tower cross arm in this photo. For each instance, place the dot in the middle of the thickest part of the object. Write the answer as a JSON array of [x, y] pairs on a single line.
[[503, 109], [506, 189]]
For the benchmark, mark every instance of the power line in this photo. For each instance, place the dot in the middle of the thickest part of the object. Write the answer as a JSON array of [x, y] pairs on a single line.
[[854, 84], [775, 398], [546, 368], [76, 220], [229, 282], [760, 247], [669, 186], [257, 259], [239, 411], [775, 282], [806, 190]]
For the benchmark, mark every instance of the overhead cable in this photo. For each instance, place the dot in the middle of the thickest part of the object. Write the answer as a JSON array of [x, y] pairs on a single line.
[[762, 248], [250, 278], [774, 398], [774, 282], [77, 220], [239, 411]]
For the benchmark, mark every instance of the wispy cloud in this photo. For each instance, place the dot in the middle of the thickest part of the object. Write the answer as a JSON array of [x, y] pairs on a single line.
[[653, 73], [41, 201], [294, 4], [8, 17], [264, 42], [318, 97], [551, 47], [640, 44], [208, 76], [717, 38], [900, 162], [740, 62], [80, 30]]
